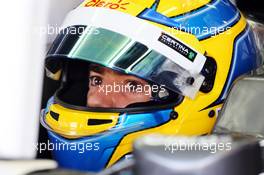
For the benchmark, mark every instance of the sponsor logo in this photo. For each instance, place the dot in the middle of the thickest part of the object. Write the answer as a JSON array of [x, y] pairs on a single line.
[[107, 4], [178, 46]]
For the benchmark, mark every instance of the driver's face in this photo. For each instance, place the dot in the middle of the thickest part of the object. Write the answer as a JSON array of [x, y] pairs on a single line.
[[102, 93]]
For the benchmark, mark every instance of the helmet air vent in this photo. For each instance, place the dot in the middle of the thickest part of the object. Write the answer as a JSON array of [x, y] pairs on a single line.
[[54, 115], [99, 121]]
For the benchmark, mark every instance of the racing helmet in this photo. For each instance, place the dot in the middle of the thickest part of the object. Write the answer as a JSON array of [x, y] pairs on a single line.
[[194, 49]]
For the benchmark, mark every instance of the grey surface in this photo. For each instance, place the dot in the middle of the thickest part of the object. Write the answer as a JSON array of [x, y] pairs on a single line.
[[243, 111], [243, 159]]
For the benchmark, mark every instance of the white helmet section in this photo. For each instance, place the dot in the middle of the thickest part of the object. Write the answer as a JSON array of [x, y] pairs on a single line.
[[138, 30]]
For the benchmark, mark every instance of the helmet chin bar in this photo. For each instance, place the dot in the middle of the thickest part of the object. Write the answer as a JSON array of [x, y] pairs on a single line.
[[209, 72]]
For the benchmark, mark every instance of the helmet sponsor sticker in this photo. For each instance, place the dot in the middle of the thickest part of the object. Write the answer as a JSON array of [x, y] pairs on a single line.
[[107, 4], [178, 46]]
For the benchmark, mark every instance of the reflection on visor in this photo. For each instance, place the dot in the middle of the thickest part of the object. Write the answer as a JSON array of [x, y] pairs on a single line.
[[116, 51]]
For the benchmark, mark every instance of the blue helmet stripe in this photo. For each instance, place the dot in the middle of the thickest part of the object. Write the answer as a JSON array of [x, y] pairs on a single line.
[[209, 17], [245, 41], [241, 63], [108, 142], [203, 22]]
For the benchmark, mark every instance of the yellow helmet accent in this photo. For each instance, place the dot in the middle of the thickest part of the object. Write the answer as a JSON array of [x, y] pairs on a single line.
[[75, 124]]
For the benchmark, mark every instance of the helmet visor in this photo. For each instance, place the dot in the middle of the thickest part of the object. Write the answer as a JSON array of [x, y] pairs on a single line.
[[121, 53]]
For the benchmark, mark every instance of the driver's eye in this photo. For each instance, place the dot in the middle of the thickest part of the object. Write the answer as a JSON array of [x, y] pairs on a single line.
[[95, 81]]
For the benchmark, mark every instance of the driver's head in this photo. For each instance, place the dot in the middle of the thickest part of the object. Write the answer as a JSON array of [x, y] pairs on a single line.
[[111, 89], [186, 74]]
